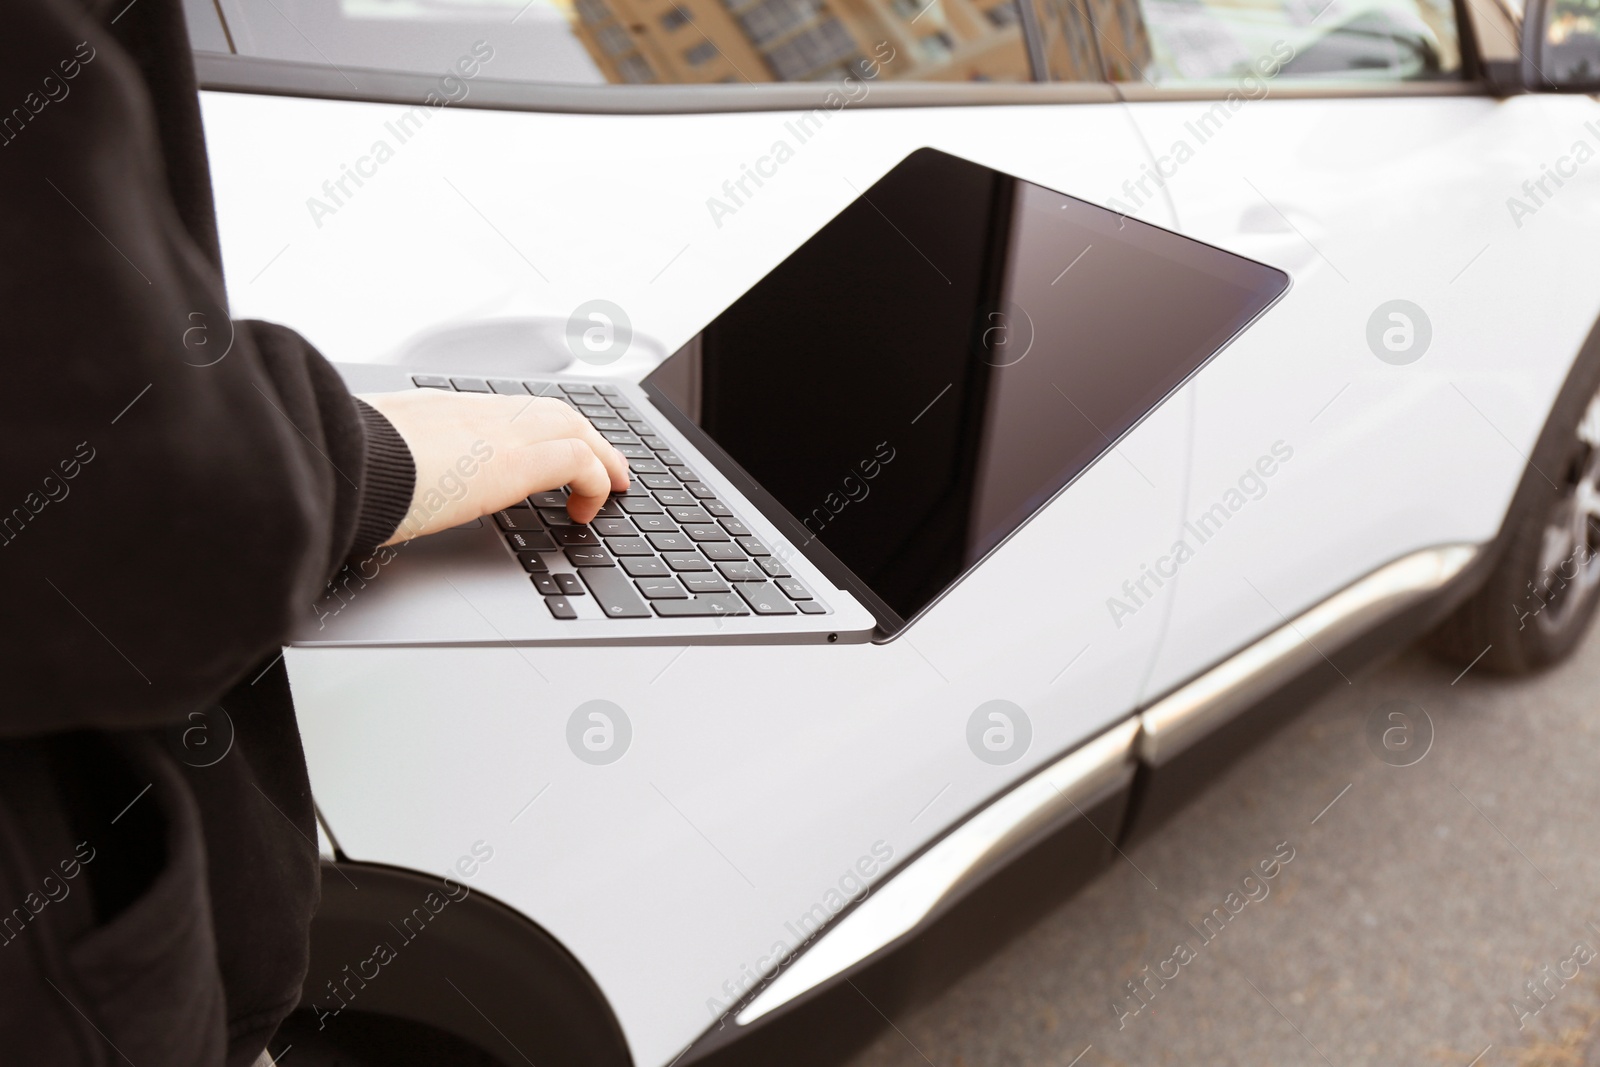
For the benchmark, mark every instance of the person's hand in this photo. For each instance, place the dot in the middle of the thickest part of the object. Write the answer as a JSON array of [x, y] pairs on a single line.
[[476, 453]]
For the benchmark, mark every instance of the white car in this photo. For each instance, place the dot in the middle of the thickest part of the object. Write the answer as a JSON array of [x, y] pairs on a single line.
[[756, 841]]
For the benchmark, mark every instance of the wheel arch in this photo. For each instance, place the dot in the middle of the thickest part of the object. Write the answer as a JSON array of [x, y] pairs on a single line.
[[458, 961]]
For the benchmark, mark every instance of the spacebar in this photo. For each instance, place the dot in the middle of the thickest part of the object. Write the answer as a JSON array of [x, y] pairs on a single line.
[[614, 593], [705, 604]]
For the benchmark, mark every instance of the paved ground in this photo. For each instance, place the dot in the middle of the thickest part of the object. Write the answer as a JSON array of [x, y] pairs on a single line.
[[1402, 931]]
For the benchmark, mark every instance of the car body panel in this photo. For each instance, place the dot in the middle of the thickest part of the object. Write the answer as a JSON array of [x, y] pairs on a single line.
[[757, 777], [1368, 201]]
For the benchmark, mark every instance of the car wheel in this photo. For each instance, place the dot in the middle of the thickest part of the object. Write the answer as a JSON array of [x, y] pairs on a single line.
[[1541, 596]]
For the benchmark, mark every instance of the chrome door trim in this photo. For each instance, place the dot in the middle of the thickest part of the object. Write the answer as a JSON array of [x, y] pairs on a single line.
[[1194, 709], [982, 843], [955, 864]]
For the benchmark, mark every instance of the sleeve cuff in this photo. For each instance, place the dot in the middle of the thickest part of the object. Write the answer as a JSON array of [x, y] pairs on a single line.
[[390, 482]]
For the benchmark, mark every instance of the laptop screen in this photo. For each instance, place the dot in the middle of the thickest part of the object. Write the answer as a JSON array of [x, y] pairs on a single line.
[[941, 359]]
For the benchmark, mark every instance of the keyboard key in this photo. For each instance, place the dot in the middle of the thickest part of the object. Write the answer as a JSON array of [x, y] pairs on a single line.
[[638, 505], [555, 516], [576, 387], [638, 420], [633, 451], [689, 514], [553, 499], [615, 594], [629, 546], [670, 542], [594, 411], [622, 437], [513, 519], [708, 604], [689, 561], [721, 551], [774, 566], [655, 442], [589, 557], [717, 508], [811, 607], [546, 584], [645, 466], [735, 527], [570, 586], [560, 608], [507, 387], [644, 566], [531, 542], [608, 390], [532, 562], [683, 473], [576, 535], [471, 385], [764, 598], [634, 489], [704, 492], [541, 388], [430, 381], [793, 589], [659, 481], [671, 459], [610, 510], [703, 583], [614, 527], [608, 424], [660, 588], [741, 572], [753, 546], [675, 498], [706, 531], [655, 524]]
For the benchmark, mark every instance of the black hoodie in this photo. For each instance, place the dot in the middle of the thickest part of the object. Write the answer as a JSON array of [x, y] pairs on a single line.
[[175, 488]]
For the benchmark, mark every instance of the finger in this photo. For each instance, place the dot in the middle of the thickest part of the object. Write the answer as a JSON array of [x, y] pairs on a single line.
[[615, 463], [565, 461]]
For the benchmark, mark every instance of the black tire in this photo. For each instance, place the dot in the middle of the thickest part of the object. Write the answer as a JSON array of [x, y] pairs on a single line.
[[1540, 598]]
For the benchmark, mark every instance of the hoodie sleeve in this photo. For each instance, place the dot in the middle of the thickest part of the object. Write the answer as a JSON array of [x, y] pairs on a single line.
[[176, 487]]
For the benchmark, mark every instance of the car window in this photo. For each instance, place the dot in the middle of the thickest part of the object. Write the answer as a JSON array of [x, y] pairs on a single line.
[[1186, 42], [642, 42]]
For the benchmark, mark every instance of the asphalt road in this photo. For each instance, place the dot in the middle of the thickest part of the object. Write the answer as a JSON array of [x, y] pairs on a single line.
[[1418, 902]]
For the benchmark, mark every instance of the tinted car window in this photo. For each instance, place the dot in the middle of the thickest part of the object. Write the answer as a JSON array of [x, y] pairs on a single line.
[[643, 42], [1185, 42]]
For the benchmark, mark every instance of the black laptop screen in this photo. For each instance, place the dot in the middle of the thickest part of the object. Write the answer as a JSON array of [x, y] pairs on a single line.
[[943, 357]]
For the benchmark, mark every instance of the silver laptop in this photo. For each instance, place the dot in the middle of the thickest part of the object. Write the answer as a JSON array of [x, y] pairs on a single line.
[[841, 445]]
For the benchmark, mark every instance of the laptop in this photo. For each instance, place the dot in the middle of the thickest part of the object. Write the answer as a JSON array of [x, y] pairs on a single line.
[[843, 444]]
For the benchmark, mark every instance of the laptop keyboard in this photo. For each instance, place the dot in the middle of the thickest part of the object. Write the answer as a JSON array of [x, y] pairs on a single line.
[[667, 548]]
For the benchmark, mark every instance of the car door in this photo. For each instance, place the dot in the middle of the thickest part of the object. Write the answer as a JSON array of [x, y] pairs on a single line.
[[1434, 234], [370, 211]]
